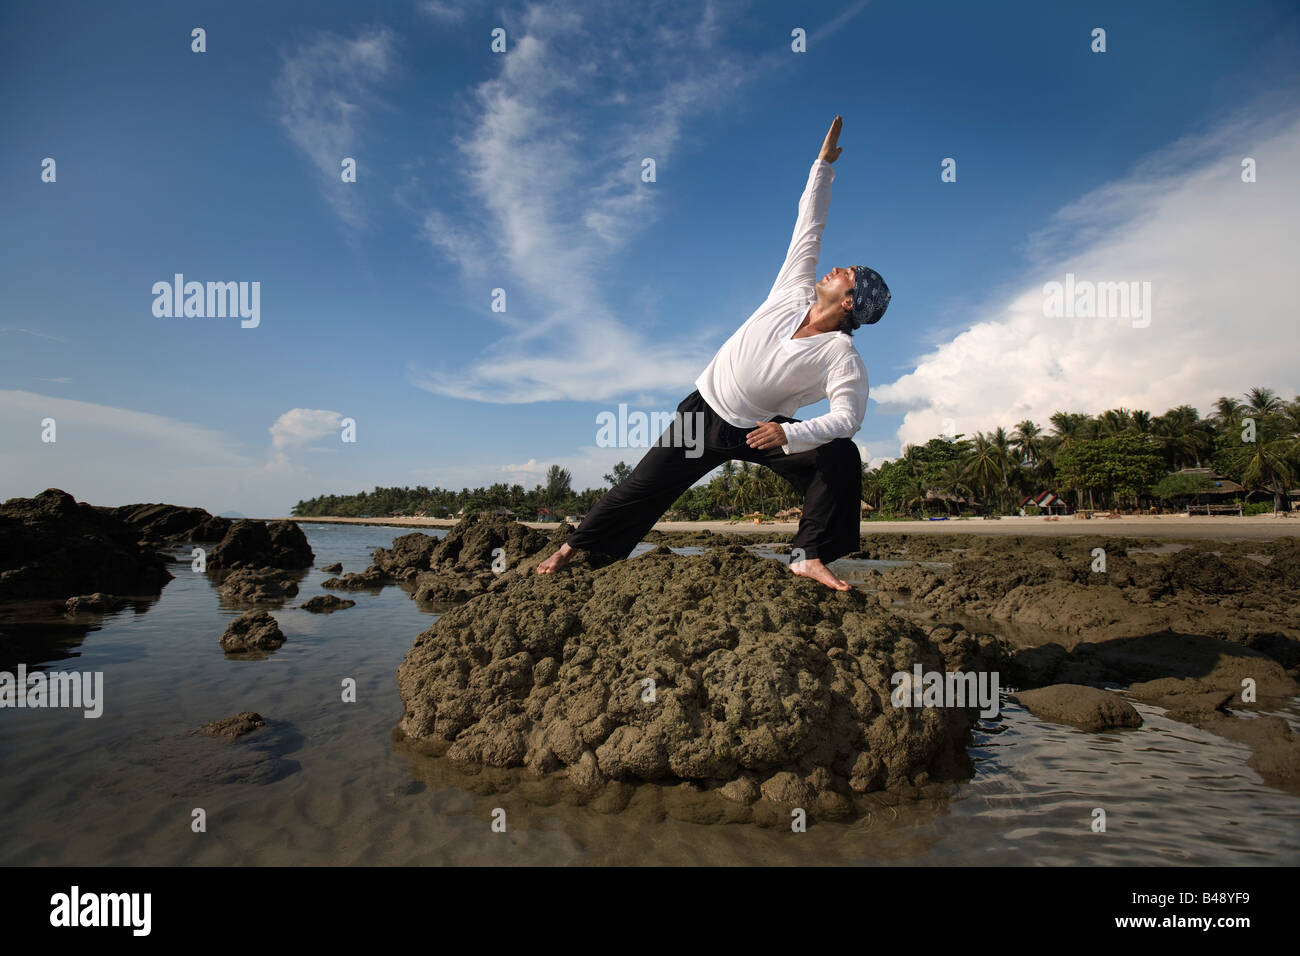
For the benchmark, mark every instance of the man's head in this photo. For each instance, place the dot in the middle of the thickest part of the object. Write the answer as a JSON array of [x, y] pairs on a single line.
[[860, 293]]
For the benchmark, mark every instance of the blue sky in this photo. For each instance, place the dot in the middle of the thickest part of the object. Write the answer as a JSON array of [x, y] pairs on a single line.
[[479, 170]]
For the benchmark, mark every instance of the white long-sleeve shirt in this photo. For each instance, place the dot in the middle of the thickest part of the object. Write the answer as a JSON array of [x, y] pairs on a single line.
[[761, 372]]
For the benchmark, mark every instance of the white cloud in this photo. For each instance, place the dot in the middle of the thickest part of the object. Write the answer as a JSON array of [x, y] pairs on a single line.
[[299, 427], [325, 89], [1219, 255]]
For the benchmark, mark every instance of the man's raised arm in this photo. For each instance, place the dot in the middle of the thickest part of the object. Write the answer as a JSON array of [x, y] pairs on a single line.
[[800, 267]]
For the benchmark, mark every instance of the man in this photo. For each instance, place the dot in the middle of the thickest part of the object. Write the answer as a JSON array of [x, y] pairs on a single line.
[[796, 349]]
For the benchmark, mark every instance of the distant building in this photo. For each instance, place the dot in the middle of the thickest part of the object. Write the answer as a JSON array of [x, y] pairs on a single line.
[[1048, 502]]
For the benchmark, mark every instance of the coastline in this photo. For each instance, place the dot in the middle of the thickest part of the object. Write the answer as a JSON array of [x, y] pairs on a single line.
[[1219, 528]]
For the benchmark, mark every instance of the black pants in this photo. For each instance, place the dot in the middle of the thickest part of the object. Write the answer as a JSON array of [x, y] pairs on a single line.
[[828, 476]]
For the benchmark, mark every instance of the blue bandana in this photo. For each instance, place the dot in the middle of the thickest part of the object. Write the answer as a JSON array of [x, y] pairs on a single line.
[[870, 297]]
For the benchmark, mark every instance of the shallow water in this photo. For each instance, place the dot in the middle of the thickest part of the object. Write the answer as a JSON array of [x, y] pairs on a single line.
[[326, 787]]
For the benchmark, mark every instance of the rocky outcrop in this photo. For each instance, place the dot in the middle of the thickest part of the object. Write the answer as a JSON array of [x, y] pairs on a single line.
[[720, 671], [481, 553], [335, 568], [247, 586], [1245, 594], [260, 544], [51, 546], [254, 633], [172, 523]]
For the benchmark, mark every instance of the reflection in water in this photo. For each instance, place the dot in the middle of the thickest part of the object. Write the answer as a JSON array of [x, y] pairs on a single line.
[[325, 783]]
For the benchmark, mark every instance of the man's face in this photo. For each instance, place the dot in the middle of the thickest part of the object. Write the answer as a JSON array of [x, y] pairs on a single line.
[[837, 285]]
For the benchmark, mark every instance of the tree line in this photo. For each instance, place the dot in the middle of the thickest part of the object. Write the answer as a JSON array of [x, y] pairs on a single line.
[[1121, 459]]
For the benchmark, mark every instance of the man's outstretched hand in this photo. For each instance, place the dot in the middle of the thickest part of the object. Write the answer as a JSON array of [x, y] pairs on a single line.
[[766, 435], [830, 152]]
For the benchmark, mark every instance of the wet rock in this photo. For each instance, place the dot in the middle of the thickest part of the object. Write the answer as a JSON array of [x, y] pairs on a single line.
[[757, 673], [358, 580], [235, 726], [480, 553], [335, 568], [1183, 697], [245, 586], [259, 544], [1087, 708], [326, 603], [252, 632], [51, 546], [1047, 584], [97, 603]]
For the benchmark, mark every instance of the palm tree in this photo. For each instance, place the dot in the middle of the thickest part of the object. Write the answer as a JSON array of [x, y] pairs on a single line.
[[1182, 437], [1071, 425], [1028, 440], [1002, 442], [1226, 410], [1114, 421], [982, 469], [1263, 401], [1268, 469]]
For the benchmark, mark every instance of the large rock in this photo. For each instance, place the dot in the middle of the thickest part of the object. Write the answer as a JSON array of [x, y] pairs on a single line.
[[759, 676], [258, 544], [160, 522], [51, 546]]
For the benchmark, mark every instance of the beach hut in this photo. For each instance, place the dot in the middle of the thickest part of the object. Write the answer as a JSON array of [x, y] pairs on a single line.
[[789, 514], [1223, 498], [1048, 502]]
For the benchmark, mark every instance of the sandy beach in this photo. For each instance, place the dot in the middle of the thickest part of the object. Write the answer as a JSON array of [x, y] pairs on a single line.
[[1218, 528]]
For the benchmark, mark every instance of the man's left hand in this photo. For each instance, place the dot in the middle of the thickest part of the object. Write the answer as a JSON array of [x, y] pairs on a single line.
[[766, 435]]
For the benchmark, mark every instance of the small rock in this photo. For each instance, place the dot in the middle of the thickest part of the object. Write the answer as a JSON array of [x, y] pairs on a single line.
[[252, 631], [326, 603], [235, 726], [99, 602], [1078, 705]]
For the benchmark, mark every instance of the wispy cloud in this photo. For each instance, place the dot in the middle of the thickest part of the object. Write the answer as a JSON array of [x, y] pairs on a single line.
[[39, 335], [446, 12], [57, 381], [325, 90], [553, 183], [1219, 255]]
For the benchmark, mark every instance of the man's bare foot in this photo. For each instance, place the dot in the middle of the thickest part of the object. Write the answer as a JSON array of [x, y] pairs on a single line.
[[556, 561], [813, 568]]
